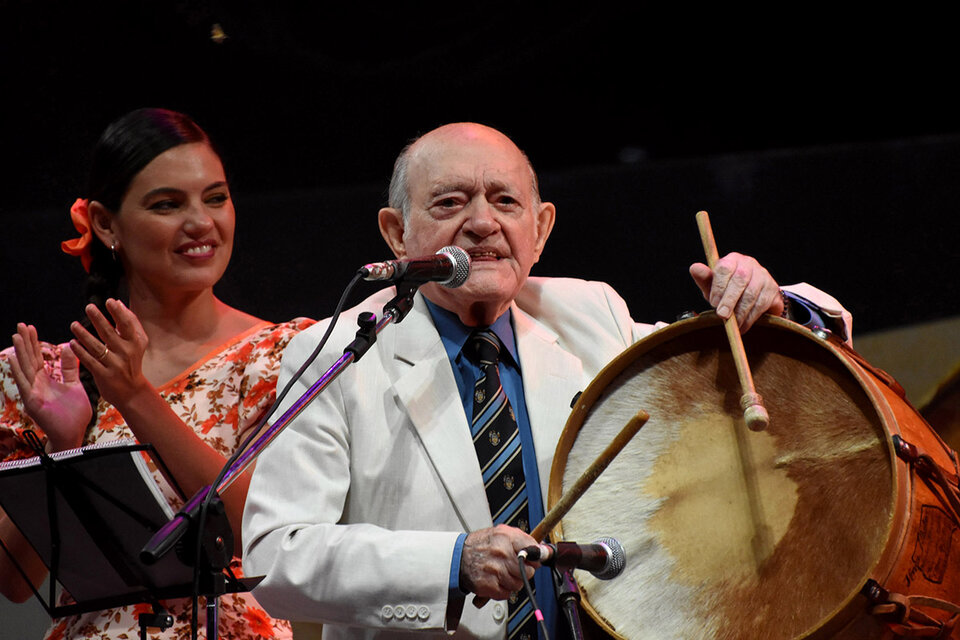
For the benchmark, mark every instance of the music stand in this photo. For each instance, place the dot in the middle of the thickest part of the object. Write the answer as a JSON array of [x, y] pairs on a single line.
[[87, 512]]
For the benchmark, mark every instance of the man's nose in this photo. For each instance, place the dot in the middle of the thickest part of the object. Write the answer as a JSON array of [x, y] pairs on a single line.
[[483, 219]]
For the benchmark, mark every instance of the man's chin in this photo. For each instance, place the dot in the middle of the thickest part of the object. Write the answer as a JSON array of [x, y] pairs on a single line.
[[482, 297]]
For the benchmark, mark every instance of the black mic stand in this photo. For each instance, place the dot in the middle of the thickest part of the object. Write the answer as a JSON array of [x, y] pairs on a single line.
[[204, 514], [160, 619], [369, 328], [568, 596]]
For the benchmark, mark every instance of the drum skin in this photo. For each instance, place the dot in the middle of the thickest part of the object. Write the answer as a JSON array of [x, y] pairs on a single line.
[[734, 534]]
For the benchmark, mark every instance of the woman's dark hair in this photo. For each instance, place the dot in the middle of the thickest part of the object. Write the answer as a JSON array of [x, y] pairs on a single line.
[[126, 146]]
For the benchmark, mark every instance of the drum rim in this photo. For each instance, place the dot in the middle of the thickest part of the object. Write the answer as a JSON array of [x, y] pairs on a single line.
[[895, 528]]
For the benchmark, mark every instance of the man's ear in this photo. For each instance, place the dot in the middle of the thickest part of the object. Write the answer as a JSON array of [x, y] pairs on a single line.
[[546, 216], [101, 220], [391, 228]]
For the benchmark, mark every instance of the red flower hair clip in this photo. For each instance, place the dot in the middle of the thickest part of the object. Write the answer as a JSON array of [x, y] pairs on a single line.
[[80, 247]]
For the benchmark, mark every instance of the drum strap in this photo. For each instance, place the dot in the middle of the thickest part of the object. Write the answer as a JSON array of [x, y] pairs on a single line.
[[911, 622], [878, 373], [932, 473], [901, 613]]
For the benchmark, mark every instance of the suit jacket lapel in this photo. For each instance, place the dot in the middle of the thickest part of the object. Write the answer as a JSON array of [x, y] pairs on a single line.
[[425, 387], [551, 378]]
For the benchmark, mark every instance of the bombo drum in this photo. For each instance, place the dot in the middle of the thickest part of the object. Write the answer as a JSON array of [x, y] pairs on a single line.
[[840, 520]]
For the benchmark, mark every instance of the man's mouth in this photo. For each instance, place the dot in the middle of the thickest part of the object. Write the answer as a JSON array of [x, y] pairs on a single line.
[[484, 255]]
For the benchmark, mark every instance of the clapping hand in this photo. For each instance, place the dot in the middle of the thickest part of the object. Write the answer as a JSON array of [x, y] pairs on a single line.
[[115, 355], [59, 406]]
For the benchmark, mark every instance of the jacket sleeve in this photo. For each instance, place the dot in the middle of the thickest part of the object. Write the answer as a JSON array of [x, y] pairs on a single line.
[[297, 531]]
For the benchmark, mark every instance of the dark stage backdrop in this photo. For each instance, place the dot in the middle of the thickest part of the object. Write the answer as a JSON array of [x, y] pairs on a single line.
[[876, 224], [828, 145], [825, 144]]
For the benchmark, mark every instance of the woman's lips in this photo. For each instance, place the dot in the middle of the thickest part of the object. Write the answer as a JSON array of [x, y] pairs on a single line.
[[197, 249]]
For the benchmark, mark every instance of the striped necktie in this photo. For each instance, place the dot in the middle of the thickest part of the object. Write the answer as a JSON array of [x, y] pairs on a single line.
[[497, 441]]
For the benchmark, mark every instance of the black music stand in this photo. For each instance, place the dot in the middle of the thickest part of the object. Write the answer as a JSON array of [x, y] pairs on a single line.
[[87, 513]]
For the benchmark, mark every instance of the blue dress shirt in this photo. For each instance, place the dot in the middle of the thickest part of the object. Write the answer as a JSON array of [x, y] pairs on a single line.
[[454, 336]]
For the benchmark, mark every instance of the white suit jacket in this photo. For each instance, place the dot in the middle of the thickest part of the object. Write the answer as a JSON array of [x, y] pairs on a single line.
[[354, 509]]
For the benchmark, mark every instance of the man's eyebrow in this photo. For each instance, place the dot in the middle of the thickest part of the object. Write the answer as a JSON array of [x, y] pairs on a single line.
[[446, 187], [490, 184], [496, 185]]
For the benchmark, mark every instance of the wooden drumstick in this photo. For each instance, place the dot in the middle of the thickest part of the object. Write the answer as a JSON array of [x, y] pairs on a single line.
[[587, 478], [754, 412], [568, 499]]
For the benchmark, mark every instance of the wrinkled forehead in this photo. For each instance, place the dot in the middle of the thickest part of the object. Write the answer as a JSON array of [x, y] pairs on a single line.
[[462, 163]]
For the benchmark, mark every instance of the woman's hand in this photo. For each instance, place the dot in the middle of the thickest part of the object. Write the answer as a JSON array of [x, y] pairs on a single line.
[[59, 407], [115, 356]]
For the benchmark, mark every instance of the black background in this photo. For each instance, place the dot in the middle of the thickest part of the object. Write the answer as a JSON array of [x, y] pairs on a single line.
[[826, 145]]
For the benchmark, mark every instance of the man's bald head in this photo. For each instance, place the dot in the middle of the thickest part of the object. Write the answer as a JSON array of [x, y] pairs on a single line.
[[399, 195], [468, 185]]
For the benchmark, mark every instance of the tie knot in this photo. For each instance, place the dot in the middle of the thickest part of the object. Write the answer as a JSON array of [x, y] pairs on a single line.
[[484, 347]]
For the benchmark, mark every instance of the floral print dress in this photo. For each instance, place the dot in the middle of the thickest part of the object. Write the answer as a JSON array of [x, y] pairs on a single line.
[[222, 396]]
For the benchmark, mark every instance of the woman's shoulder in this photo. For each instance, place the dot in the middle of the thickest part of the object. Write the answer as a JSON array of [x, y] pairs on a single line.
[[265, 331], [294, 326], [242, 374], [259, 345], [242, 326]]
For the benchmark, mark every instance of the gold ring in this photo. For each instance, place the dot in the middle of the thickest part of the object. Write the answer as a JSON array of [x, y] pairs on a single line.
[[103, 355]]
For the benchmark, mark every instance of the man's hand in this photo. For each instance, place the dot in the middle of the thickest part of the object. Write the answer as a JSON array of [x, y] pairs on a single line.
[[488, 565], [738, 284]]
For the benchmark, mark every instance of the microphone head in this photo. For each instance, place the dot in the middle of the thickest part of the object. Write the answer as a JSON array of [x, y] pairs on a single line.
[[461, 266], [616, 559]]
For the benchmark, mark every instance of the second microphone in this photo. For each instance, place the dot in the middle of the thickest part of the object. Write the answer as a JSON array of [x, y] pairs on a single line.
[[605, 558]]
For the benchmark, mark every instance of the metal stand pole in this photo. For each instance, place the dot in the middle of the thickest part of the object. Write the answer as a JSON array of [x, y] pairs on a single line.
[[568, 596]]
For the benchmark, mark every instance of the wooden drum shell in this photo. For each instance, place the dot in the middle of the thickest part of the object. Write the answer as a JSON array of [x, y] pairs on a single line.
[[734, 534]]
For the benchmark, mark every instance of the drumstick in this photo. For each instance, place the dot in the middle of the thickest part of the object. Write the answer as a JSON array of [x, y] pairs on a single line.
[[754, 412], [587, 478], [568, 499]]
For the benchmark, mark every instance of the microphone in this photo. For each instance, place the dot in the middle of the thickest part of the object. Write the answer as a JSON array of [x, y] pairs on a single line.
[[605, 558], [450, 266]]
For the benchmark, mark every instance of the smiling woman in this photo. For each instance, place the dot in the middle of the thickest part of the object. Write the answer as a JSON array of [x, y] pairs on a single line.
[[175, 225], [174, 366]]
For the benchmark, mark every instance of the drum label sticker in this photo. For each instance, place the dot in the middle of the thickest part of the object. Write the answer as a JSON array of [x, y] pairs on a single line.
[[932, 549]]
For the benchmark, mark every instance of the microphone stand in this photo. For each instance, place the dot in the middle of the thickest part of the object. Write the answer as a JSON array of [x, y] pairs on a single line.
[[196, 519], [568, 596], [394, 311]]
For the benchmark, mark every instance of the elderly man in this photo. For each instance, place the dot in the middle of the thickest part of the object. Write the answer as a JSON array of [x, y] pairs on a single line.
[[409, 485]]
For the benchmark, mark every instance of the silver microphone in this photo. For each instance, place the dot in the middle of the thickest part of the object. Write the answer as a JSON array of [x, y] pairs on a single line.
[[605, 558], [450, 266]]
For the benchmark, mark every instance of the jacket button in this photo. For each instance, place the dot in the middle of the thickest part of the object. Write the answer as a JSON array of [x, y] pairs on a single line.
[[423, 613], [387, 612], [498, 612], [411, 612], [398, 612]]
